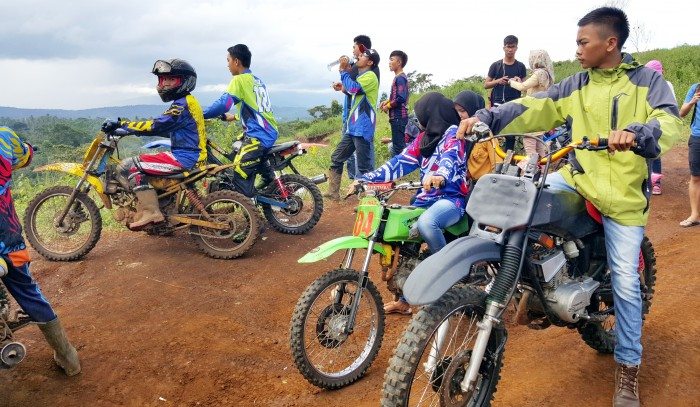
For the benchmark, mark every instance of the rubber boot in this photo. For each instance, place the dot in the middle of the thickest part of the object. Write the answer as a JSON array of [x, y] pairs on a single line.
[[333, 186], [150, 211], [65, 355]]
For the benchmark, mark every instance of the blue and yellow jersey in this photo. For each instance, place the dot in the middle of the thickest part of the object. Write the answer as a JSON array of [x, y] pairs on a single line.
[[12, 153], [362, 117], [255, 110], [183, 122]]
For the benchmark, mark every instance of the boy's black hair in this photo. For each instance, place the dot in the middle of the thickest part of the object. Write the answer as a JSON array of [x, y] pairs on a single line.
[[402, 55], [510, 39], [242, 53], [364, 40], [612, 19]]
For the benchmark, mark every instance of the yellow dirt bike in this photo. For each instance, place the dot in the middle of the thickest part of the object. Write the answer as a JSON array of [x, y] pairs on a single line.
[[63, 223]]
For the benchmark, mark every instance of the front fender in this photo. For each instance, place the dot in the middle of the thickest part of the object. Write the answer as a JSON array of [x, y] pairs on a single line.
[[73, 169], [341, 243], [438, 273]]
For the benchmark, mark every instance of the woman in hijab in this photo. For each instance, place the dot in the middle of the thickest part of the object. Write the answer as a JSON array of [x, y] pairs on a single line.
[[541, 79], [483, 156], [441, 159]]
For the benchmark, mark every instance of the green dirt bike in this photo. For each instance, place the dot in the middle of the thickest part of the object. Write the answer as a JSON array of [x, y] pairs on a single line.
[[63, 223], [338, 322]]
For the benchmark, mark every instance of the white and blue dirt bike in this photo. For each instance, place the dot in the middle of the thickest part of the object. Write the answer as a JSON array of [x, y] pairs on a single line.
[[548, 256]]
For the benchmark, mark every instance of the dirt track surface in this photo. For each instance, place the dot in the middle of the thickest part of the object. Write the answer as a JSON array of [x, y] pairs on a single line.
[[159, 324]]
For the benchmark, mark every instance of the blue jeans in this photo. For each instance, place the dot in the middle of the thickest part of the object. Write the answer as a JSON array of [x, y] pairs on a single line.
[[432, 222], [26, 292], [353, 172], [622, 244]]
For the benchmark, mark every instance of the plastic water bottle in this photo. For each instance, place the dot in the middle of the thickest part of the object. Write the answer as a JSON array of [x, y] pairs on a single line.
[[337, 62]]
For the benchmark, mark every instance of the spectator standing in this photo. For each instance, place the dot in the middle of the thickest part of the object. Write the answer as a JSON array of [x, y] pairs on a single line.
[[691, 103], [499, 75], [396, 105], [656, 173]]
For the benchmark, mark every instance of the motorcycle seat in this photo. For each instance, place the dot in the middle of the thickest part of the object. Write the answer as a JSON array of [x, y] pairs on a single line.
[[185, 174], [283, 146]]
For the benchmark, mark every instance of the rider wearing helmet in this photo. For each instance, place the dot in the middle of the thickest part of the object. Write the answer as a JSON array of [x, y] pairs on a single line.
[[14, 257], [183, 122]]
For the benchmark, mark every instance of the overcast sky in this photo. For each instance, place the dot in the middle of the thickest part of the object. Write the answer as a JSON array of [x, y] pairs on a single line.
[[81, 54]]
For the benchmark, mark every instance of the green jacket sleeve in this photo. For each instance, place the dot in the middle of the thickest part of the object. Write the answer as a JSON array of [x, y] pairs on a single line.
[[663, 126]]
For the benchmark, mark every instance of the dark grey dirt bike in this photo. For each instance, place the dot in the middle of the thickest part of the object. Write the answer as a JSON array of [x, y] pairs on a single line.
[[548, 253]]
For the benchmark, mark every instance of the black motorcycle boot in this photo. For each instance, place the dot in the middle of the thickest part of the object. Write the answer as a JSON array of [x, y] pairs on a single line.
[[65, 355], [626, 386], [333, 186]]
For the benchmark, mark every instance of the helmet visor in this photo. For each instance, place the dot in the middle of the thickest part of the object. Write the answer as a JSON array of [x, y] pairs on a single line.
[[161, 67]]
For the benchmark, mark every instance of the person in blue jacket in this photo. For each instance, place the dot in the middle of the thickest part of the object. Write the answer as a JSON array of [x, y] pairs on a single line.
[[183, 122]]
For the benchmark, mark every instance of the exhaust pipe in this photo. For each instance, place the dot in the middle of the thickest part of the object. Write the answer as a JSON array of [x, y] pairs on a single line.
[[319, 179]]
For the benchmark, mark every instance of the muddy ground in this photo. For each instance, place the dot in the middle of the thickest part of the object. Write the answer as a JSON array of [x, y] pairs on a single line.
[[159, 324]]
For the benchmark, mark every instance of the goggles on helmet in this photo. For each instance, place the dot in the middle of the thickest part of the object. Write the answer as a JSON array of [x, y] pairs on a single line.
[[161, 67]]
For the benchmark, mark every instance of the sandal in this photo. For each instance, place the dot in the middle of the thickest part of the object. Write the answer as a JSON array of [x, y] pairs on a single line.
[[398, 307], [688, 223]]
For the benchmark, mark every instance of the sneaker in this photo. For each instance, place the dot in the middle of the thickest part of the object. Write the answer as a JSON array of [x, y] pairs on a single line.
[[656, 189]]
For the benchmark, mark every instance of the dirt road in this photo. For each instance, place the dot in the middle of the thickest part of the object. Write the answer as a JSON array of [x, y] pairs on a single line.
[[159, 324]]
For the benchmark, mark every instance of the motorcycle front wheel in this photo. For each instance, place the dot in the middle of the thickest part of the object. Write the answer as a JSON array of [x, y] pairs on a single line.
[[325, 354], [432, 357], [304, 204], [244, 225], [74, 237]]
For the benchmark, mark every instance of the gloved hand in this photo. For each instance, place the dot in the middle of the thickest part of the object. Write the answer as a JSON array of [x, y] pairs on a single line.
[[109, 125]]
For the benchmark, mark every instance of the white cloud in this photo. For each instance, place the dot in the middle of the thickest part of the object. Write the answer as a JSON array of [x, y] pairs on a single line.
[[99, 53]]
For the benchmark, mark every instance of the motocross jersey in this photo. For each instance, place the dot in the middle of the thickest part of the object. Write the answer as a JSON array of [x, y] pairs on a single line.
[[12, 151], [362, 116], [255, 109], [183, 122], [448, 160]]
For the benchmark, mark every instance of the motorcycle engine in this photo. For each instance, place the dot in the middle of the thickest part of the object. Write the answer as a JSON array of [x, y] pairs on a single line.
[[567, 297]]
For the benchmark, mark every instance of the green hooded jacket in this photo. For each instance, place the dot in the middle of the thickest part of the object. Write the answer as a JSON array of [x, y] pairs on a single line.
[[594, 102]]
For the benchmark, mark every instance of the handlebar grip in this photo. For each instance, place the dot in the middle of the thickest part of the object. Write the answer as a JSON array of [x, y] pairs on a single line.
[[603, 142]]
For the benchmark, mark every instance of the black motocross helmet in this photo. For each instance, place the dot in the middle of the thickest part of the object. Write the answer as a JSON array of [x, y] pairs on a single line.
[[179, 68]]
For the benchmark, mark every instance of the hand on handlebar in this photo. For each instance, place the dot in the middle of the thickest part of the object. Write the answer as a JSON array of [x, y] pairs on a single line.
[[621, 140], [109, 125], [472, 125], [433, 181], [353, 189]]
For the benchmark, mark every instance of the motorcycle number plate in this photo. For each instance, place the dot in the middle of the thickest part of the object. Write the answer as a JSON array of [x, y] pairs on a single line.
[[369, 214]]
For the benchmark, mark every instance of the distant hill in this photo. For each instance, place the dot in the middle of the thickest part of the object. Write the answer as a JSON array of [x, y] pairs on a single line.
[[282, 113]]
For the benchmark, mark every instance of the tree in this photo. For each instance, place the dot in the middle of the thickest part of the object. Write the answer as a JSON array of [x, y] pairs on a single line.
[[322, 112], [420, 82], [336, 108], [383, 98]]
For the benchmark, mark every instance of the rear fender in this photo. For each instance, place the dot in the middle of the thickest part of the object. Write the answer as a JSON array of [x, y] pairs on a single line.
[[438, 273], [342, 243]]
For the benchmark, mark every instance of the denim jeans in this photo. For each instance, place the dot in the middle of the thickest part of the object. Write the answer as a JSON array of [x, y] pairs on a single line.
[[622, 244], [398, 138], [26, 292], [432, 222], [351, 164]]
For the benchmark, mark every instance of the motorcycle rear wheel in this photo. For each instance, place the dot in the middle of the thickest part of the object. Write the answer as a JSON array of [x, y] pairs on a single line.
[[431, 359], [306, 205], [601, 335], [239, 212], [73, 239], [324, 354]]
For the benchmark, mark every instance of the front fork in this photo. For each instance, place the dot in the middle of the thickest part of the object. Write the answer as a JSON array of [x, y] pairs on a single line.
[[362, 283], [58, 222]]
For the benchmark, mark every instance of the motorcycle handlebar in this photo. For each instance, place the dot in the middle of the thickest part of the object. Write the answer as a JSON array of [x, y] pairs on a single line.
[[594, 144]]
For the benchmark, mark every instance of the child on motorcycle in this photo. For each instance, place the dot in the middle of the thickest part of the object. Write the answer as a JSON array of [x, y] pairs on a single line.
[[442, 162], [14, 257], [634, 107], [255, 111], [183, 122]]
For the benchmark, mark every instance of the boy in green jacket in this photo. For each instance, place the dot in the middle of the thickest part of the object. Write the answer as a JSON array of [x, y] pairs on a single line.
[[633, 107]]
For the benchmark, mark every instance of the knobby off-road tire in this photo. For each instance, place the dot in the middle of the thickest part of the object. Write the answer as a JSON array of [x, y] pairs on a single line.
[[79, 234], [316, 327], [600, 335], [306, 194], [239, 212], [407, 382]]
